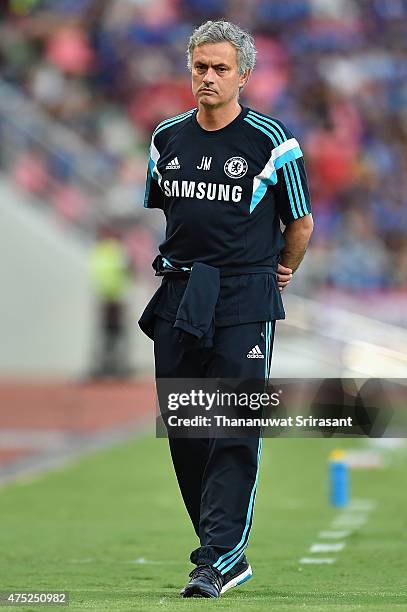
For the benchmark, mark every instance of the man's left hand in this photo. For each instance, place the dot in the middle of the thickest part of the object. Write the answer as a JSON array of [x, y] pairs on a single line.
[[284, 275]]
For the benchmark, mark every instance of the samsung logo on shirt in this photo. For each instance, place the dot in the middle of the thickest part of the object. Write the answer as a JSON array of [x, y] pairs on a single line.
[[202, 191]]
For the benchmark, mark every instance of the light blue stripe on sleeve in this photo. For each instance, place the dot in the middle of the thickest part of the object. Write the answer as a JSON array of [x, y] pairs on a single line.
[[261, 190], [147, 192], [288, 156], [267, 132], [272, 179], [272, 125], [279, 162], [170, 119], [151, 166], [150, 175], [303, 201], [296, 194], [283, 162], [290, 193], [164, 127]]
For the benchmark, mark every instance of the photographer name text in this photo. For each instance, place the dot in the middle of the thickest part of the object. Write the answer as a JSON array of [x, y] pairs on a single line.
[[284, 422]]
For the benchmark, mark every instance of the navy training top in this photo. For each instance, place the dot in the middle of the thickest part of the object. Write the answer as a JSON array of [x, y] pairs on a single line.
[[224, 193]]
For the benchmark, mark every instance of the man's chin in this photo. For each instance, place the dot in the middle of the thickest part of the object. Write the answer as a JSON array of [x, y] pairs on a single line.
[[208, 101]]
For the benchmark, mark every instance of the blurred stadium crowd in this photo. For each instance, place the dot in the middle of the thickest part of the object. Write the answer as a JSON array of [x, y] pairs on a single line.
[[102, 73]]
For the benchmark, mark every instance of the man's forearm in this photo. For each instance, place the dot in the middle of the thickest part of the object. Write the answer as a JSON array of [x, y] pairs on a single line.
[[296, 235]]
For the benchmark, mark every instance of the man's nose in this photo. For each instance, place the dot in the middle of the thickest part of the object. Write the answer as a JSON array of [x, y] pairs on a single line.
[[209, 75]]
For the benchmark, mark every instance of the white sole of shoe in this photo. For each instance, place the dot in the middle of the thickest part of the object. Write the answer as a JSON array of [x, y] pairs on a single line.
[[237, 580]]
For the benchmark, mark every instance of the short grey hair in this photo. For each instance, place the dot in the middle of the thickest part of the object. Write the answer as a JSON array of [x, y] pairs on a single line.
[[224, 31]]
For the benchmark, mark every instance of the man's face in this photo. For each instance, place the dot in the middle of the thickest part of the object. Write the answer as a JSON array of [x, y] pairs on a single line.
[[215, 74]]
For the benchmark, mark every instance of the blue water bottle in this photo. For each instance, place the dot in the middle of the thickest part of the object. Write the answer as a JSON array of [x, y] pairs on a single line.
[[339, 478]]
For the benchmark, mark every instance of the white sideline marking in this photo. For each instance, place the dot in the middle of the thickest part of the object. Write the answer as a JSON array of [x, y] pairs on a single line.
[[366, 505], [139, 561], [348, 520], [364, 459], [355, 515], [322, 547], [144, 561], [334, 535], [317, 560]]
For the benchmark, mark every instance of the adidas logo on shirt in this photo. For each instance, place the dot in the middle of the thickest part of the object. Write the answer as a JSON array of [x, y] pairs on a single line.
[[173, 165], [255, 353]]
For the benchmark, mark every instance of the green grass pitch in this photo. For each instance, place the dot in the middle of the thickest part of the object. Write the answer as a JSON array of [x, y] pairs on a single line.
[[81, 528]]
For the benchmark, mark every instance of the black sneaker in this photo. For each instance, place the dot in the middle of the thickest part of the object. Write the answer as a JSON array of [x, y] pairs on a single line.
[[239, 573], [205, 582]]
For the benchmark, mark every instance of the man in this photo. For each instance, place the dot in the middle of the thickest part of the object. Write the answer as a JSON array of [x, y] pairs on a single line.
[[224, 176], [111, 278]]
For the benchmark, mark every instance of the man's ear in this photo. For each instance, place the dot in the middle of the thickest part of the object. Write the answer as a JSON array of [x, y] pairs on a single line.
[[244, 78]]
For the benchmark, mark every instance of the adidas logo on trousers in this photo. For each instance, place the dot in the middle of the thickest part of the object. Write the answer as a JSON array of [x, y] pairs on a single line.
[[255, 353]]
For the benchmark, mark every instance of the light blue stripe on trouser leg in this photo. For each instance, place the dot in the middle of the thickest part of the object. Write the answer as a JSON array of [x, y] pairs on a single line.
[[269, 335], [228, 560], [267, 353]]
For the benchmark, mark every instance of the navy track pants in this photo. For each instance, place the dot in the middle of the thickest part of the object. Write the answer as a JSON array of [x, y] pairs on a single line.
[[217, 476]]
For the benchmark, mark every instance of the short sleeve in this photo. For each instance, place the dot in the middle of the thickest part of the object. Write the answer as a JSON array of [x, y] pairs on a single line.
[[154, 196], [291, 191]]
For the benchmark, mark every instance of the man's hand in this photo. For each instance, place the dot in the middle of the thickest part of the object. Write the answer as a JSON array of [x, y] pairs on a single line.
[[284, 275]]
